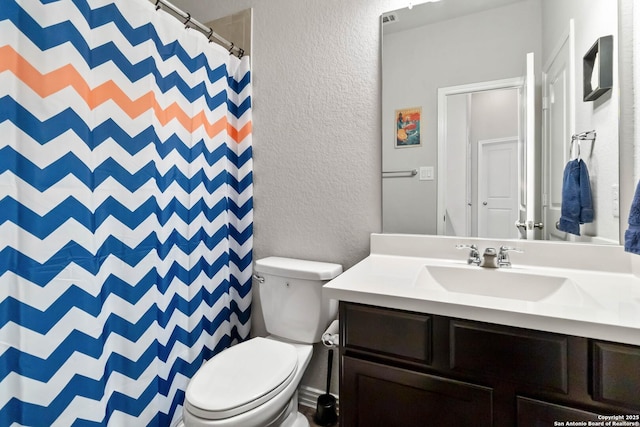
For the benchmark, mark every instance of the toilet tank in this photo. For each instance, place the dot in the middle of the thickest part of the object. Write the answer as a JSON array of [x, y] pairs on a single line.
[[291, 297]]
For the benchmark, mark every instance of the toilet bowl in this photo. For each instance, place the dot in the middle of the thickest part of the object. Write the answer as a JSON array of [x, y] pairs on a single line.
[[254, 383], [263, 395]]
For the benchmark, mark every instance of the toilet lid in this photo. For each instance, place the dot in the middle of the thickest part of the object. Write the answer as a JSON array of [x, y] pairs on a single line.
[[241, 378]]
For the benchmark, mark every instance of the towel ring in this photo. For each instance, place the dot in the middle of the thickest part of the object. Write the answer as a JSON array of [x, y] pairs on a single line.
[[571, 149], [583, 136], [579, 148]]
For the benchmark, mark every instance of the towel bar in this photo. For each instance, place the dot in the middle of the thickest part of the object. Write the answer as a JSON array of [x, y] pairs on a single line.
[[400, 174]]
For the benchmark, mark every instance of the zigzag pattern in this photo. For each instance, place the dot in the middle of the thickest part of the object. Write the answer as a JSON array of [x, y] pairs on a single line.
[[65, 32], [69, 164], [126, 211], [44, 226], [68, 120]]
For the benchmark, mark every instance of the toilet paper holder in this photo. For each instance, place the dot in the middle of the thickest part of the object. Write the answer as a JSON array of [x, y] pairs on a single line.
[[330, 337]]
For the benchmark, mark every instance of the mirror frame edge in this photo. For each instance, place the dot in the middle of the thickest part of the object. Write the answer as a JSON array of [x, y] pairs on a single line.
[[626, 125]]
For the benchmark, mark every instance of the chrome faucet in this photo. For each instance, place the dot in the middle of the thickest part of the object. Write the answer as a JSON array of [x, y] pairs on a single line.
[[490, 258], [503, 255], [474, 255]]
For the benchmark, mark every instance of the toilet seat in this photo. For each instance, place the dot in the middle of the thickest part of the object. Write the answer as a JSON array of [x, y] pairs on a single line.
[[241, 378]]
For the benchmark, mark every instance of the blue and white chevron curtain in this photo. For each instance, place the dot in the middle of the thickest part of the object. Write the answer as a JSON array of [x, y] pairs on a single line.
[[125, 211]]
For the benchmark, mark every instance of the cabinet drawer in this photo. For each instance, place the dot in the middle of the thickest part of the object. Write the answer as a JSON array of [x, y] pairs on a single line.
[[377, 395], [616, 374], [393, 333], [511, 354], [535, 413]]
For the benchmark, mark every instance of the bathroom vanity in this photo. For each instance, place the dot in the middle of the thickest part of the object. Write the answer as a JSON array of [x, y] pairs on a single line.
[[401, 367], [537, 344]]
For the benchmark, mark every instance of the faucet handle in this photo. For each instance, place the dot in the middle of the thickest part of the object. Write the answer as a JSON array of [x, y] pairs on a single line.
[[465, 246], [503, 256], [504, 249], [473, 249], [474, 255]]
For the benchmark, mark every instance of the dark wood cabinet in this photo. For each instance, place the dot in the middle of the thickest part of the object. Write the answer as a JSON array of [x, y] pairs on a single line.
[[535, 413], [616, 374], [401, 368], [390, 396], [376, 329], [527, 357]]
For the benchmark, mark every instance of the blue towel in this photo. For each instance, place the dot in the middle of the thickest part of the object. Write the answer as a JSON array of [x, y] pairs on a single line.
[[586, 201], [632, 235], [577, 202]]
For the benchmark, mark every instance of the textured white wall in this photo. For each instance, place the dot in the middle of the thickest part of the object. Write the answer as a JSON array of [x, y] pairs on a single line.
[[316, 121], [629, 69], [636, 79], [316, 86]]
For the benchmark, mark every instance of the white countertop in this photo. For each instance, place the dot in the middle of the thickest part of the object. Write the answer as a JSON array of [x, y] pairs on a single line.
[[602, 300]]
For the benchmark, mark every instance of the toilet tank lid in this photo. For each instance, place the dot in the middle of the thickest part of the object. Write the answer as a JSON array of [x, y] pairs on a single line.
[[297, 268]]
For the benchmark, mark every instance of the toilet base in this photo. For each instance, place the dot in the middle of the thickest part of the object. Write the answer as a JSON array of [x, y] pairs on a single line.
[[295, 419], [288, 417]]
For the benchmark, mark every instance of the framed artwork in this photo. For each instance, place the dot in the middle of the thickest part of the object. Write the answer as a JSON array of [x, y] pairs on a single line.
[[408, 127]]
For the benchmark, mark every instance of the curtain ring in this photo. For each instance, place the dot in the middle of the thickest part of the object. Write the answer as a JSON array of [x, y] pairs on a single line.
[[231, 49], [240, 53], [157, 4], [210, 34], [186, 22]]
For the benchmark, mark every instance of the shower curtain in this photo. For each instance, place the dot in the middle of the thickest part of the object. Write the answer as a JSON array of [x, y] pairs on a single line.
[[125, 211]]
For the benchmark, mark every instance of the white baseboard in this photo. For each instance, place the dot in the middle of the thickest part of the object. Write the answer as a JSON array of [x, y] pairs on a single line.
[[308, 396]]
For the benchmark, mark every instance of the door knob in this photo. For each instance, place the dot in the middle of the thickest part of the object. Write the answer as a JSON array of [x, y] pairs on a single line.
[[530, 225], [484, 203], [521, 225]]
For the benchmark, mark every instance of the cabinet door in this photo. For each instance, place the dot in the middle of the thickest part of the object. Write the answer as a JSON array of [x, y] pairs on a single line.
[[534, 413], [372, 394], [616, 374], [533, 358], [373, 329]]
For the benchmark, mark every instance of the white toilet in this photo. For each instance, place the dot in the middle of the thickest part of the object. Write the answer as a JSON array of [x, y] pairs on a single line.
[[255, 383]]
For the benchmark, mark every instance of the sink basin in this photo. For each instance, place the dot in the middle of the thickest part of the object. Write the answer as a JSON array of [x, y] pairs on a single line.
[[499, 283]]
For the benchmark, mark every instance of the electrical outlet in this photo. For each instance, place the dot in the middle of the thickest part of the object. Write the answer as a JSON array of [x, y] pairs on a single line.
[[615, 200]]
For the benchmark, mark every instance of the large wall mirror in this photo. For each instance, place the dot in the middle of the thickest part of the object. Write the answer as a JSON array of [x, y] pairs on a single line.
[[482, 110]]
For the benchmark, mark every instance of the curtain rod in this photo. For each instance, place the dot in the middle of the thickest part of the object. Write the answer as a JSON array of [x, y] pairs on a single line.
[[189, 22]]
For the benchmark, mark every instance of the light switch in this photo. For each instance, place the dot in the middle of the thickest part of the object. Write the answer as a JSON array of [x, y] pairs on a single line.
[[426, 173]]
